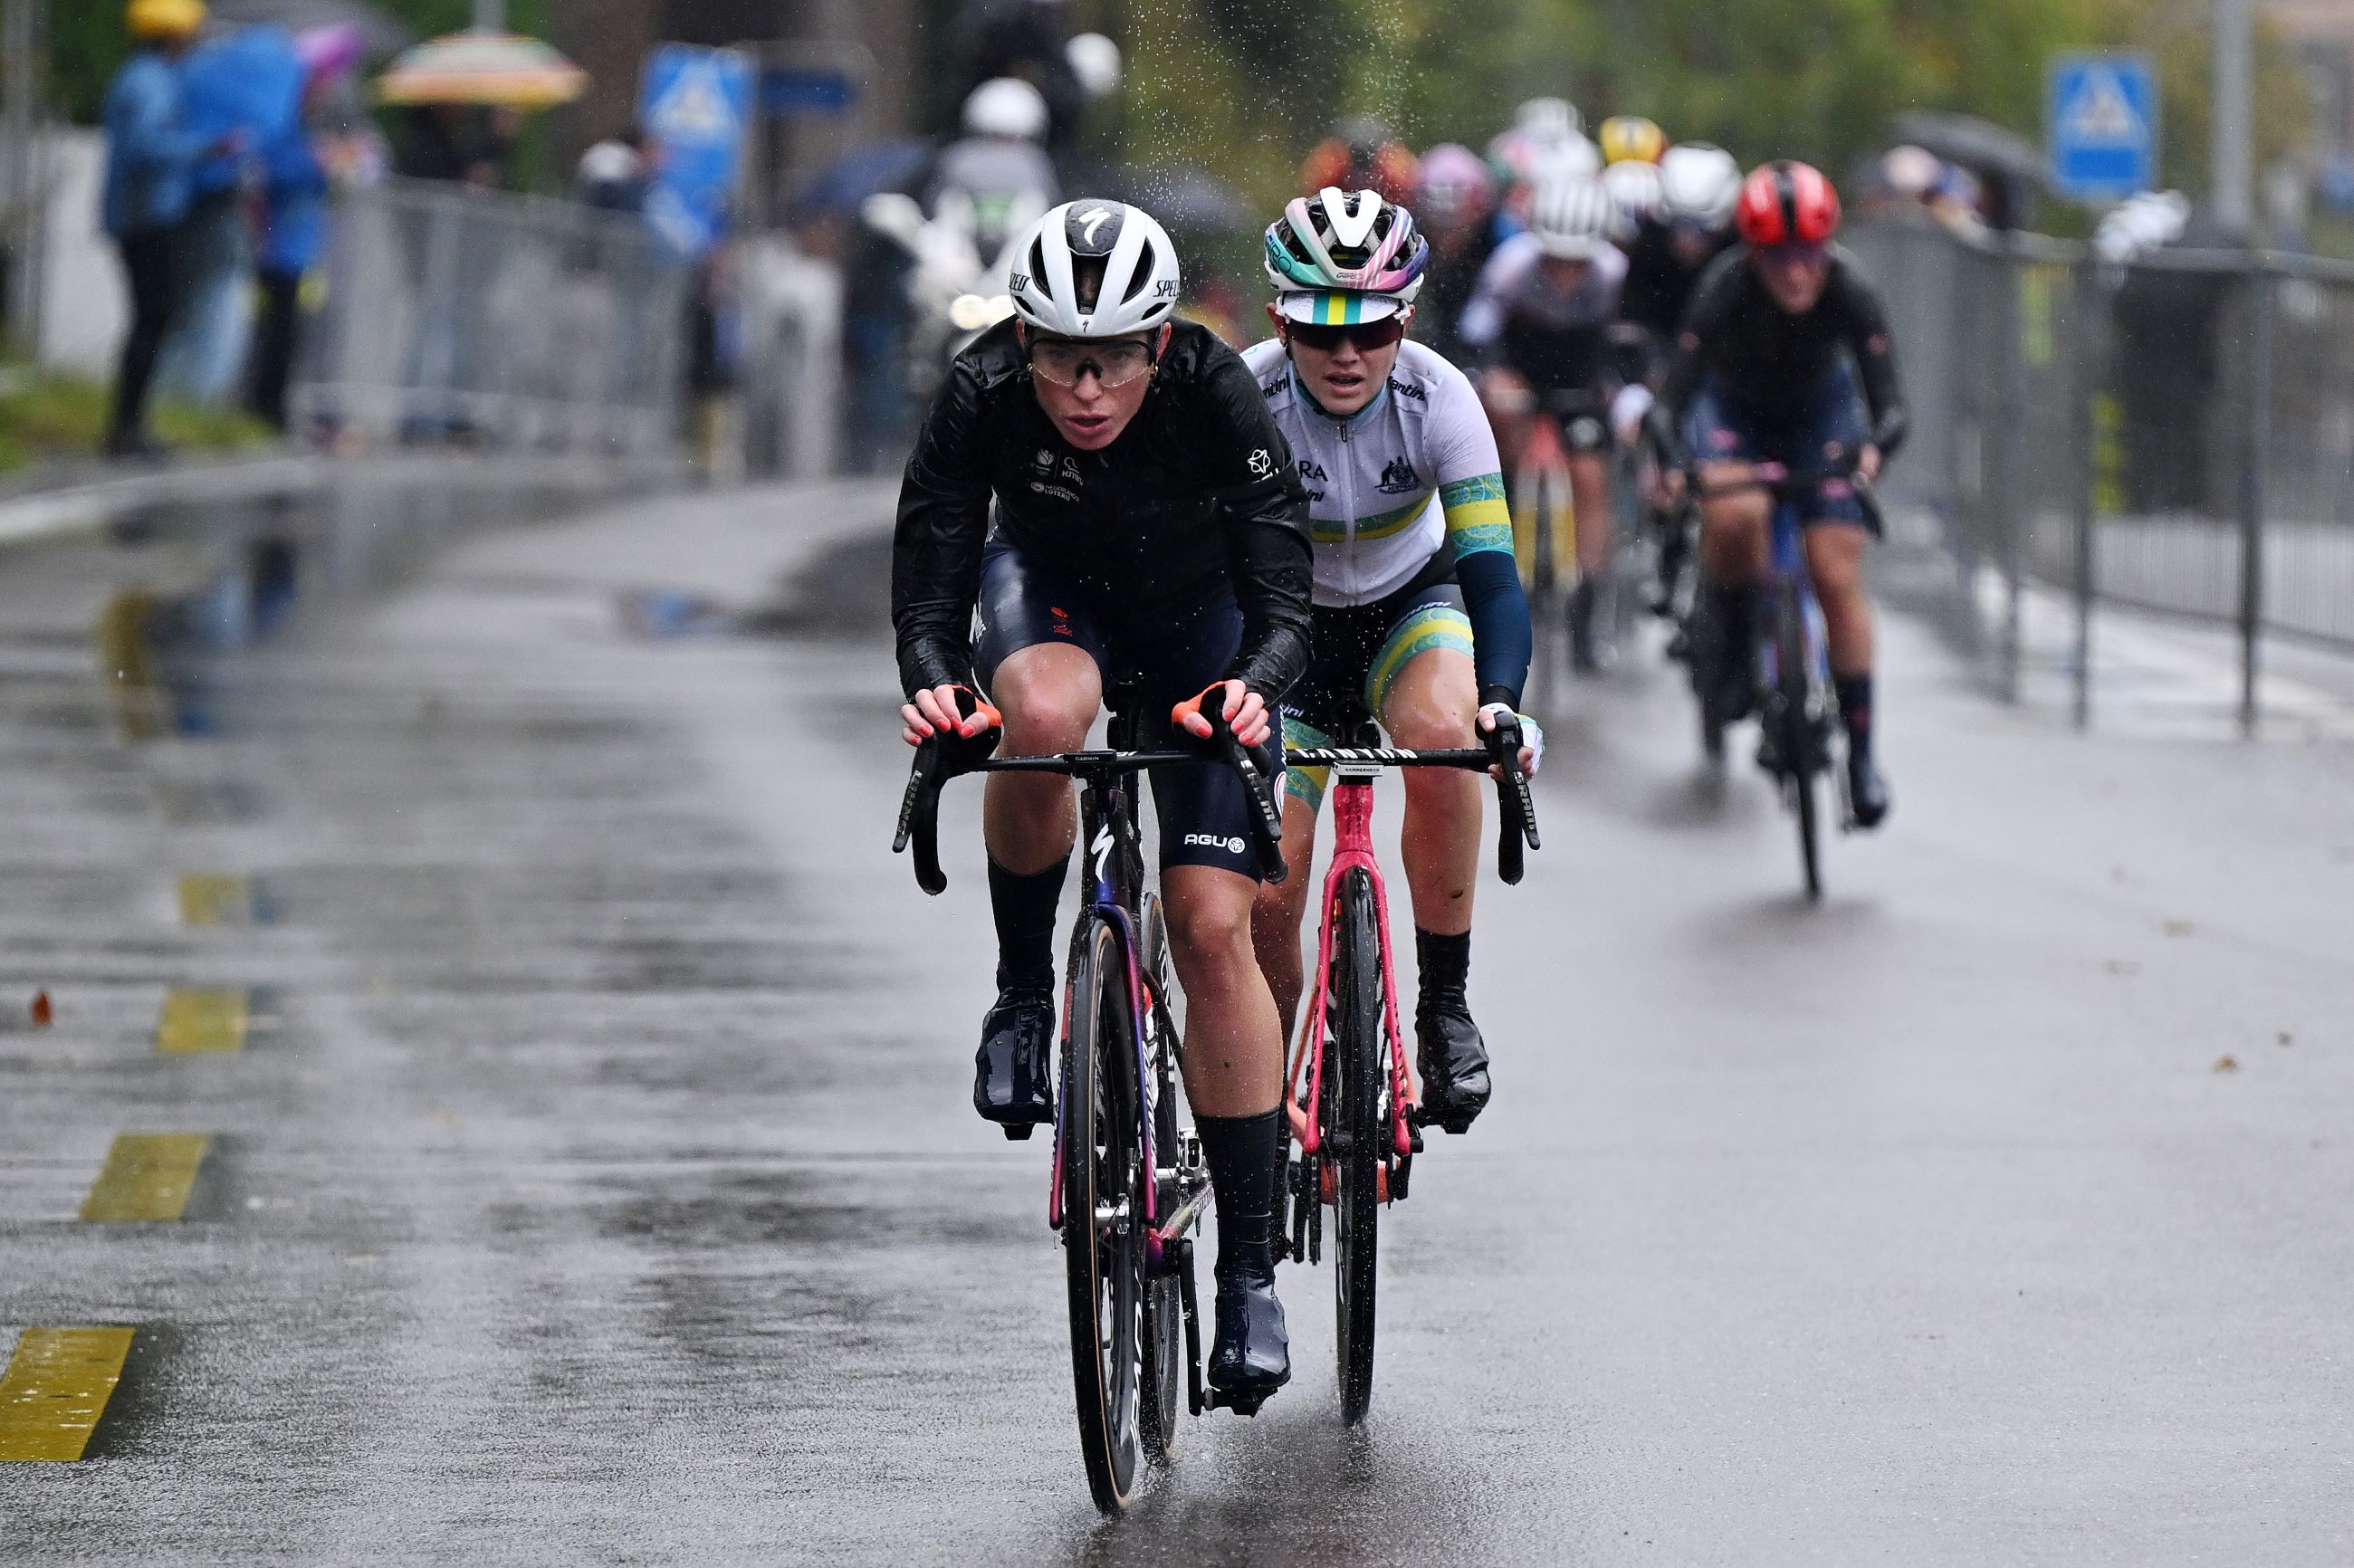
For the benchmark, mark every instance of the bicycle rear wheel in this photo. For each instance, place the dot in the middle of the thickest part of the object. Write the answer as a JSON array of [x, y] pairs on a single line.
[[1801, 753], [1102, 1159], [1356, 1132]]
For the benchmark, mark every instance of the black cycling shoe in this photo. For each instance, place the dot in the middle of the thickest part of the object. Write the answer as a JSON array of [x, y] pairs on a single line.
[[1867, 792], [1454, 1061], [1733, 686], [1013, 1073], [1251, 1357]]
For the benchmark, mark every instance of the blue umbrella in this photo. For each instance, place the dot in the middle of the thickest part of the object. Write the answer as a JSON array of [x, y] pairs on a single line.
[[250, 81]]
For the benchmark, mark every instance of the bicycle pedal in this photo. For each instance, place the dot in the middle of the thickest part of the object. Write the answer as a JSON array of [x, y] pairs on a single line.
[[1241, 1402], [1016, 1131]]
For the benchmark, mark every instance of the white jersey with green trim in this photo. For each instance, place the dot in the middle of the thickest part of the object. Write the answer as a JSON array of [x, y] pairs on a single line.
[[1411, 473]]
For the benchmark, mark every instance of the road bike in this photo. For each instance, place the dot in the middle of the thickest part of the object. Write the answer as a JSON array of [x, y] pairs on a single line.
[[1350, 1107], [1794, 703], [1545, 524], [1130, 1184]]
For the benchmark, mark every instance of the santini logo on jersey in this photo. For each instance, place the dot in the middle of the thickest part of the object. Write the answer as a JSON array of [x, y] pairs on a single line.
[[1409, 389]]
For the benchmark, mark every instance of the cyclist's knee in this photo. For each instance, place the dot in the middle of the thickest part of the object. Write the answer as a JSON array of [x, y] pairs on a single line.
[[1210, 936], [1049, 695], [1433, 714]]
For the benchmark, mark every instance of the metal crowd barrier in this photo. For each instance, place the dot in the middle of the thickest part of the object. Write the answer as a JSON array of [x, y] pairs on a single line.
[[2175, 434], [507, 320]]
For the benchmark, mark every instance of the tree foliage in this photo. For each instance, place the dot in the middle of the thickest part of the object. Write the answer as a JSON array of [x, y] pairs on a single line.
[[1242, 86]]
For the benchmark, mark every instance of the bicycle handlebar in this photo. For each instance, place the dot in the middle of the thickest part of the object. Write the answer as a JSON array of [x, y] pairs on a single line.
[[946, 756], [1515, 806], [1783, 480]]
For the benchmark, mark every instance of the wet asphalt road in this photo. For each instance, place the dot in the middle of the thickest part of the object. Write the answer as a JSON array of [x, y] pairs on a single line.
[[597, 1182]]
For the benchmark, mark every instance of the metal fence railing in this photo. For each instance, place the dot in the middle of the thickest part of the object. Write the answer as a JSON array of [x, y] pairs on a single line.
[[2175, 434], [514, 319]]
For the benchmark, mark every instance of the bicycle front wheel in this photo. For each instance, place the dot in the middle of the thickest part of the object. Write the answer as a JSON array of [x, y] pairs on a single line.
[[1166, 1394], [1800, 749], [1102, 1159], [1356, 1134]]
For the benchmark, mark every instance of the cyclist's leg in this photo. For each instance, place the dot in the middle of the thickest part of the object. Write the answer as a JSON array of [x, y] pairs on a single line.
[[1281, 907], [1423, 685], [1837, 527], [1736, 542], [1589, 490], [1233, 1043], [1325, 707], [1039, 660]]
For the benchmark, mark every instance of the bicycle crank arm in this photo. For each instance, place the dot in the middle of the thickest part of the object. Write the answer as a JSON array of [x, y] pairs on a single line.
[[1182, 1220]]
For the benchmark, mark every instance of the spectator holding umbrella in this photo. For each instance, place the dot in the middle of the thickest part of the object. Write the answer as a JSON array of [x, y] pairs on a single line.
[[151, 153], [294, 221]]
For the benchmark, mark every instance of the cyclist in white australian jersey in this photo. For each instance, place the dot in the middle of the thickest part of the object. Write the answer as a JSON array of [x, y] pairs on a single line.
[[1420, 622]]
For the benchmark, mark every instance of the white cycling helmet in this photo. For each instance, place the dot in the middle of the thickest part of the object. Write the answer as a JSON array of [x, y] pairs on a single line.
[[1573, 218], [1095, 269], [1548, 119], [1635, 189], [1698, 183], [1096, 61], [1007, 106]]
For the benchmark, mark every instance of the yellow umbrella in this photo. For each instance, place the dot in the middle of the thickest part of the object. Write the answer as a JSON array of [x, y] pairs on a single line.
[[501, 70]]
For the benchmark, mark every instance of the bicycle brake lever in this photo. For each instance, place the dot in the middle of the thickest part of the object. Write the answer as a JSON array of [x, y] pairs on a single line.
[[1267, 817], [920, 816]]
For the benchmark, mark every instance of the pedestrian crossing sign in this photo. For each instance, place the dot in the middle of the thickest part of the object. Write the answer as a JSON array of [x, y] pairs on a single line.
[[2102, 126]]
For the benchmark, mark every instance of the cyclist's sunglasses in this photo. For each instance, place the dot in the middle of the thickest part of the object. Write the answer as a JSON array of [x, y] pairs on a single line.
[[1366, 335], [1114, 362]]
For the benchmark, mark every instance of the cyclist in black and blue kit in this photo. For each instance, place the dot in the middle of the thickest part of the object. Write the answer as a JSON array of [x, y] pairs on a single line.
[[1105, 486], [1761, 373]]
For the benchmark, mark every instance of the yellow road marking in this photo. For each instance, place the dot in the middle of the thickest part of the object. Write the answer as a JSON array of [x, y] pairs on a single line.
[[216, 898], [127, 665], [201, 1022], [147, 1177], [56, 1388]]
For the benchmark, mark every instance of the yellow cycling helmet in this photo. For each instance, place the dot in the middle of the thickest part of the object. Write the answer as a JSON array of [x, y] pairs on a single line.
[[163, 19], [1631, 139]]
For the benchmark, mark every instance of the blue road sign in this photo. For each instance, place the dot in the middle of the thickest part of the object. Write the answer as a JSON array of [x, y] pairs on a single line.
[[2102, 126], [695, 105]]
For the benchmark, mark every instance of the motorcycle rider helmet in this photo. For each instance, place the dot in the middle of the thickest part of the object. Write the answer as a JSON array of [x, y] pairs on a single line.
[[1007, 107], [1700, 184], [1631, 139], [1344, 256], [1573, 218], [1785, 202], [1095, 269]]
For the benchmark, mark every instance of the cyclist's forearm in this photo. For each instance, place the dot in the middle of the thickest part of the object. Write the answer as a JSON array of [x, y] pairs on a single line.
[[1273, 576], [1503, 639]]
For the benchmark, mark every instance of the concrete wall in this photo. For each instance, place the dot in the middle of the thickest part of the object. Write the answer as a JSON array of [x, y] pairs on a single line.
[[84, 312]]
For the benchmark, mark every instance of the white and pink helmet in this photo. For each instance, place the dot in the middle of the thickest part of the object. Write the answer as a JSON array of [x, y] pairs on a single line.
[[1347, 242]]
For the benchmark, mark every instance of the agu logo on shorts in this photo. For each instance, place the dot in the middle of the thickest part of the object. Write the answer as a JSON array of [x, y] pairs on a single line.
[[1211, 840]]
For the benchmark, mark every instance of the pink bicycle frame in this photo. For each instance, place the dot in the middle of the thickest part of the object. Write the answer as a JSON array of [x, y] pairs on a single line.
[[1352, 850]]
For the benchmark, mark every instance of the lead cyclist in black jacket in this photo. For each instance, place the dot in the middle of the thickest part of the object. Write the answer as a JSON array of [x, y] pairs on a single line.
[[1105, 487]]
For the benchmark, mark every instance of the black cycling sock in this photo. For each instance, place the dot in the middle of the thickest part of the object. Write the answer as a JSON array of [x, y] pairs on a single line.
[[1855, 709], [1241, 1153], [1445, 962], [1024, 909]]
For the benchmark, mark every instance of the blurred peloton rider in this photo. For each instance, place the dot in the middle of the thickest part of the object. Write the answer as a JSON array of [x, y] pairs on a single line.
[[1761, 374], [999, 163], [1542, 320], [1420, 622], [1147, 516]]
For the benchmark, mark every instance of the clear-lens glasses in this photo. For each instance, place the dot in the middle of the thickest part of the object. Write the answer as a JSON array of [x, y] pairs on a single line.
[[1114, 362]]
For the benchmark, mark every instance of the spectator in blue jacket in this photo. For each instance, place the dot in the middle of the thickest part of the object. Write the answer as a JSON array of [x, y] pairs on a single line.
[[293, 236], [149, 154]]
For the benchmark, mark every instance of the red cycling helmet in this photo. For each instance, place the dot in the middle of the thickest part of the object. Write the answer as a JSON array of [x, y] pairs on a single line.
[[1785, 202]]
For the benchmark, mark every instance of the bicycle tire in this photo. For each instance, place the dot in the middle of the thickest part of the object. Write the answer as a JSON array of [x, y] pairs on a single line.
[[1356, 1133], [1704, 647], [1100, 1153], [1165, 1393], [1797, 744]]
